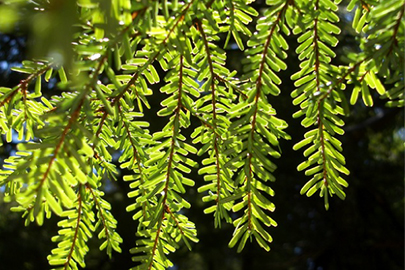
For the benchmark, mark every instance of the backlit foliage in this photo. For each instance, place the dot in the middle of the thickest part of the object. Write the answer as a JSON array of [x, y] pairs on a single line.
[[107, 70]]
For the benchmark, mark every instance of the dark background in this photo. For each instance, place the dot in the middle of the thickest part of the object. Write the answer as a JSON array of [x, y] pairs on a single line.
[[366, 231]]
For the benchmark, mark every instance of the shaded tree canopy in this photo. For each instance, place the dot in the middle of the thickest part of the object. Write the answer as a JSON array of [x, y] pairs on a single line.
[[183, 104]]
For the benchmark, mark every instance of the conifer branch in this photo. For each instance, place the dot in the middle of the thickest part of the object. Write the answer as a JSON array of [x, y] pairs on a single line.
[[137, 158], [175, 128], [76, 230], [99, 209], [23, 85], [216, 137], [154, 57], [258, 84], [61, 141]]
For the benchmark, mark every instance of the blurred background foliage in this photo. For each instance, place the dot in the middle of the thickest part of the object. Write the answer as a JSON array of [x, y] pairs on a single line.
[[366, 231]]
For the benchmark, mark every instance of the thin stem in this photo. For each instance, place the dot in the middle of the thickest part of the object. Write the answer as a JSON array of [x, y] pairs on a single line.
[[167, 209]]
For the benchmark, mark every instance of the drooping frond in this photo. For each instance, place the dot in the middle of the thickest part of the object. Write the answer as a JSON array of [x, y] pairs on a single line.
[[381, 59], [59, 162], [166, 167], [255, 129], [106, 223], [319, 96], [211, 108], [19, 108], [75, 231]]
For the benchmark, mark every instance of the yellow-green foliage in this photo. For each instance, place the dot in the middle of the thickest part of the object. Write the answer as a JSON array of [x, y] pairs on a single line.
[[67, 140]]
